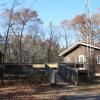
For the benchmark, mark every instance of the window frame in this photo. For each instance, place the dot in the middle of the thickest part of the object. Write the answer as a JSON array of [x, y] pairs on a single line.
[[80, 59], [98, 59]]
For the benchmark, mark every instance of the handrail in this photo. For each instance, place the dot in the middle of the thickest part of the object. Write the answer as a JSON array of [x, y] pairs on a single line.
[[68, 73]]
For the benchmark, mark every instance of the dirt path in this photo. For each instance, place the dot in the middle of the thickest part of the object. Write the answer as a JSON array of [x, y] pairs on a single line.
[[27, 91], [81, 96]]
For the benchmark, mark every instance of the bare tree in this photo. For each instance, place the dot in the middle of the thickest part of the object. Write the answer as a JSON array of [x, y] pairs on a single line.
[[64, 34], [7, 33], [22, 21], [52, 42], [78, 23]]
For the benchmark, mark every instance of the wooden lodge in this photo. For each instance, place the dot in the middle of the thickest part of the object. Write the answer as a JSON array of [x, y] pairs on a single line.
[[77, 55]]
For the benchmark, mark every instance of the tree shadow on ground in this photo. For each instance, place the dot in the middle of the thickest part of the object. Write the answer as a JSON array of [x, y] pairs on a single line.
[[79, 97], [52, 88]]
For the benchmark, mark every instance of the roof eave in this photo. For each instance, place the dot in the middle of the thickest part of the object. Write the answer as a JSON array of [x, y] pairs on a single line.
[[75, 45]]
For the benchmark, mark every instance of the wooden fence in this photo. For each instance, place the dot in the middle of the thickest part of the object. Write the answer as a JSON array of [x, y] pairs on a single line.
[[68, 73], [16, 72]]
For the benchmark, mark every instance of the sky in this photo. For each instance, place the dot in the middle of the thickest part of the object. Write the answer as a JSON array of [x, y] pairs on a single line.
[[58, 10]]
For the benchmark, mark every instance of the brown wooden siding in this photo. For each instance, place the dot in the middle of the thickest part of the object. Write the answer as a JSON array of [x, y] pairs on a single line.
[[81, 50]]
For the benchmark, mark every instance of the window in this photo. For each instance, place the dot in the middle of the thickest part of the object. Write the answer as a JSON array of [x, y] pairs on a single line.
[[81, 59], [98, 59]]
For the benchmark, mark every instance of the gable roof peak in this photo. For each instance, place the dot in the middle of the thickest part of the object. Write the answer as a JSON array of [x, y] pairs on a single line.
[[77, 44]]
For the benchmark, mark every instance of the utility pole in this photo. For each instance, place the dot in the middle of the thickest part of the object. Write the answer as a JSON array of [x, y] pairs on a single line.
[[88, 24], [88, 34]]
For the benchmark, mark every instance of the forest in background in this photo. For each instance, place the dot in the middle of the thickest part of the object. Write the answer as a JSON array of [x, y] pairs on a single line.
[[24, 40]]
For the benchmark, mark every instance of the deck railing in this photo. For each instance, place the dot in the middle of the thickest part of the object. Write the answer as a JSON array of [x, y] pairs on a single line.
[[68, 73]]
